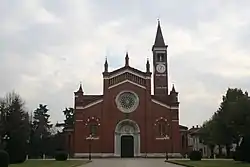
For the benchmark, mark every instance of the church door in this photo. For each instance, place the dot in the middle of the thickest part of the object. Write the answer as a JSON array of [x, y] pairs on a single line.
[[127, 146]]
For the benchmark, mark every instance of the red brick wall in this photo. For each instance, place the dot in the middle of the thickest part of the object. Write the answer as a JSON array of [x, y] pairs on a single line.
[[145, 115], [159, 146], [82, 131]]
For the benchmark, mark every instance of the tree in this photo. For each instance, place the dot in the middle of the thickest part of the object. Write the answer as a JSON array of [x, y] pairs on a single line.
[[69, 117], [40, 131], [229, 122], [231, 116], [41, 121], [3, 113], [207, 136], [15, 127], [68, 124]]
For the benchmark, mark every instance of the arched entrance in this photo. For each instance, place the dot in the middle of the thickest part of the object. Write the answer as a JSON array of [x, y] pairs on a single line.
[[127, 139]]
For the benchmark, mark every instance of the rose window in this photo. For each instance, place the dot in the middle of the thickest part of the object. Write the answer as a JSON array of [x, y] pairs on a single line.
[[127, 101]]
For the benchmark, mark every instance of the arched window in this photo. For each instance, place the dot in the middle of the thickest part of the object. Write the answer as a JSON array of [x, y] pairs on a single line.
[[160, 57], [183, 141], [162, 127], [93, 124], [93, 129]]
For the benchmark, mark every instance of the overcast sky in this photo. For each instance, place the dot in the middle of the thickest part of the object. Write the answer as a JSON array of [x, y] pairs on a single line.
[[48, 47]]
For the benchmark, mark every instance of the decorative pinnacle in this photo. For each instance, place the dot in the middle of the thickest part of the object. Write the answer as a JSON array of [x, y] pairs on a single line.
[[147, 65], [80, 88], [106, 64], [126, 59], [173, 89]]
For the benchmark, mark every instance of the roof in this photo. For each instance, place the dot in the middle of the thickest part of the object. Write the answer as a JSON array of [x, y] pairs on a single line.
[[194, 130], [162, 99], [87, 99], [183, 127], [129, 68]]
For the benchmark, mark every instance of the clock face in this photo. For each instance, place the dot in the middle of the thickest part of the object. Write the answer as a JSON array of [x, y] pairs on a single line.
[[161, 68]]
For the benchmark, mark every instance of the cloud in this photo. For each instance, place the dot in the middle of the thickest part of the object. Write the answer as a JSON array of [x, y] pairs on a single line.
[[48, 47]]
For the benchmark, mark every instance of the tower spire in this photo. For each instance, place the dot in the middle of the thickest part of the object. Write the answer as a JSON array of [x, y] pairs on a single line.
[[126, 59], [160, 62], [159, 40]]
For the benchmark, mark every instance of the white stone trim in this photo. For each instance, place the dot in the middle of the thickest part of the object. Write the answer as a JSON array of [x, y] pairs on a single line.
[[119, 133], [125, 81], [164, 105], [94, 155], [90, 104], [160, 49], [161, 138], [79, 107], [93, 138], [160, 75], [124, 71], [174, 155]]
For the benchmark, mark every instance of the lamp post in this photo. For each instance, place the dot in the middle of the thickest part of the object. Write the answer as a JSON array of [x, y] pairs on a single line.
[[90, 138], [165, 138]]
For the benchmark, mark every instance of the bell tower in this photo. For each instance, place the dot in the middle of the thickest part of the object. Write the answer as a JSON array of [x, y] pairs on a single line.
[[160, 65]]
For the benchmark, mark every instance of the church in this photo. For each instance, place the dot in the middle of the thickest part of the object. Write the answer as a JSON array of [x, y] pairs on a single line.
[[127, 120]]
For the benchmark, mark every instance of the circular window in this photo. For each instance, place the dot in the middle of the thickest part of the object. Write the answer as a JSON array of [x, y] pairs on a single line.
[[127, 101]]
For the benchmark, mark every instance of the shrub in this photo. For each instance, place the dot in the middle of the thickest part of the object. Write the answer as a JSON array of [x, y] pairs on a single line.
[[18, 156], [4, 158], [195, 156], [236, 155], [16, 150], [61, 156], [242, 152]]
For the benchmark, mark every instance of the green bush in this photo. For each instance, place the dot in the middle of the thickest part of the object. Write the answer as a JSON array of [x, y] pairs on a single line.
[[61, 156], [236, 155], [16, 150], [4, 158], [21, 158], [195, 156], [242, 152], [18, 156]]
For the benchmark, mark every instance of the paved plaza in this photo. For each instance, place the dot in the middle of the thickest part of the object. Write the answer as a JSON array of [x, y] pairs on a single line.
[[139, 162]]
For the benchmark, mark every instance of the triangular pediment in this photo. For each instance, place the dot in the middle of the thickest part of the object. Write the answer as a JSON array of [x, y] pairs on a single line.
[[127, 81], [127, 69], [127, 76]]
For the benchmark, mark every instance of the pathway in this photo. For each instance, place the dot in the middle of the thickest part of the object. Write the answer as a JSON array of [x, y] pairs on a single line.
[[139, 162]]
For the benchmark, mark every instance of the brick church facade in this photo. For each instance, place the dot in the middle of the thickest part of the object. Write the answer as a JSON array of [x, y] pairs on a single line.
[[127, 120]]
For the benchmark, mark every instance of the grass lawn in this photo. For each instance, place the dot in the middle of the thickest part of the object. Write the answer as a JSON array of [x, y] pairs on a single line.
[[50, 163], [213, 163]]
